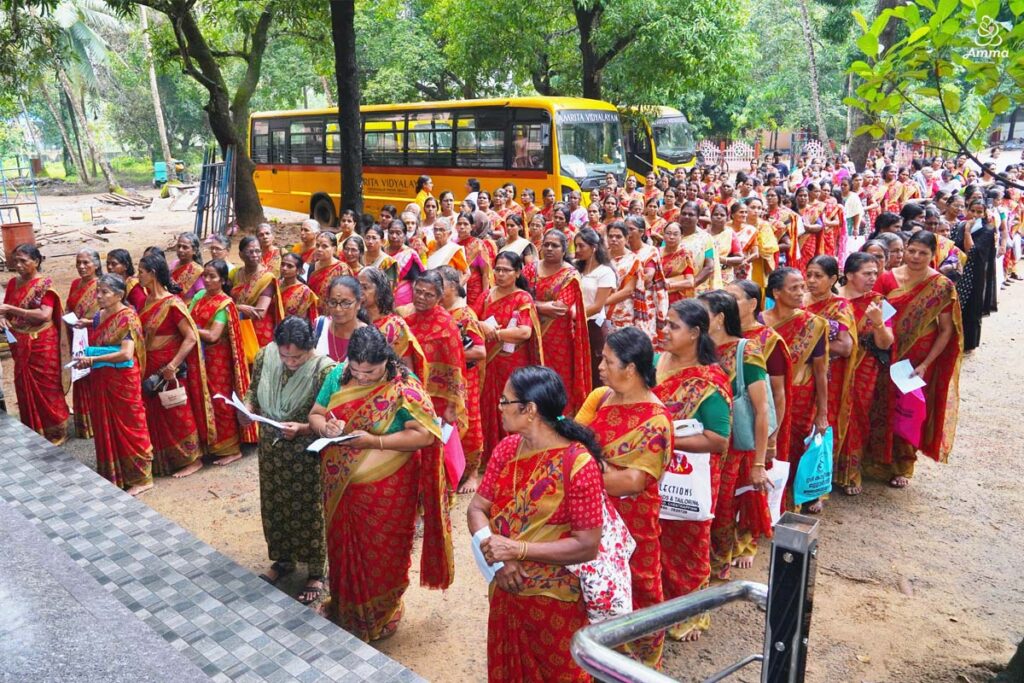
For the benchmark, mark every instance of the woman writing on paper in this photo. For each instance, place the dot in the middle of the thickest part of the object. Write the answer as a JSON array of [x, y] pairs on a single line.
[[124, 455], [541, 499], [374, 484], [286, 377]]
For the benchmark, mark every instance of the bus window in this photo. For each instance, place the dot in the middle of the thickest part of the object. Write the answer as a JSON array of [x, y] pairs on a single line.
[[589, 146], [260, 142], [531, 134], [673, 140], [480, 138], [279, 142], [307, 141], [384, 139], [430, 138], [333, 144]]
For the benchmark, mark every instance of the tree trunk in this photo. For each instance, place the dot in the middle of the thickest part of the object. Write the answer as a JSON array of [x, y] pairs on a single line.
[[76, 160], [860, 145], [83, 124], [328, 97], [586, 17], [849, 110], [815, 92], [343, 33], [161, 125], [66, 102]]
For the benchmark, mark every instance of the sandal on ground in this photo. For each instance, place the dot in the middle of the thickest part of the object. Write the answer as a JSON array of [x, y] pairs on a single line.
[[281, 569], [312, 591]]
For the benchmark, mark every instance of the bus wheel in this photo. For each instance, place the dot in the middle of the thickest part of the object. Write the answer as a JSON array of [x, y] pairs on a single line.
[[323, 212]]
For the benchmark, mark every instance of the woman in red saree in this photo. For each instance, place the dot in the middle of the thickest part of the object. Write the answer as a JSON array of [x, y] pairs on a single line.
[[889, 192], [82, 302], [821, 300], [812, 242], [325, 267], [270, 255], [352, 251], [180, 434], [379, 303], [692, 386], [444, 357], [740, 468], [750, 522], [119, 262], [407, 261], [124, 455], [508, 320], [929, 333], [541, 503], [677, 265], [479, 254], [785, 224], [256, 292], [227, 372], [874, 339], [563, 318], [296, 298], [622, 303], [834, 219], [650, 310], [373, 485], [32, 313], [375, 256], [635, 432], [806, 337], [475, 354], [187, 271], [305, 248]]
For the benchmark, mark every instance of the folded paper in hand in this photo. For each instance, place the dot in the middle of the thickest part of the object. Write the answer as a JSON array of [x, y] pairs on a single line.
[[903, 376], [237, 404], [488, 570], [326, 441]]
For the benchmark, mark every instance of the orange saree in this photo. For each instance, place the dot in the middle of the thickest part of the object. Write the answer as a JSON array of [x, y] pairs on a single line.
[[407, 347], [124, 455], [566, 340], [226, 371], [82, 301], [444, 360], [675, 264], [38, 371], [320, 282]]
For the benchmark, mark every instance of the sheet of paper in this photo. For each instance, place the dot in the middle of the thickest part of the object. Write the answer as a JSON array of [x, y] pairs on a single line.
[[322, 348], [11, 339], [79, 340], [487, 570], [903, 377], [446, 431], [887, 310], [490, 321], [70, 318], [238, 405], [324, 442]]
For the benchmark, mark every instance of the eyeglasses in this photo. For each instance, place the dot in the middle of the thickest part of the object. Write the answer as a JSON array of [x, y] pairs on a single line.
[[334, 303], [503, 270], [502, 402]]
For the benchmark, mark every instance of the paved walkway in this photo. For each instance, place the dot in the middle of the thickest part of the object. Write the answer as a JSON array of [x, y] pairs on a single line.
[[95, 585]]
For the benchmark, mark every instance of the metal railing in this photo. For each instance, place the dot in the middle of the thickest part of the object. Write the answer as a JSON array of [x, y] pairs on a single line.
[[787, 599]]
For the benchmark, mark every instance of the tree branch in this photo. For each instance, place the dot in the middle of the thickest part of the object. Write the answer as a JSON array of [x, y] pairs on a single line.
[[621, 44], [244, 56]]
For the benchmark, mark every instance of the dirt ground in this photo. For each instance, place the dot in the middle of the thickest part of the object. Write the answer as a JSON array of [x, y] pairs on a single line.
[[922, 584]]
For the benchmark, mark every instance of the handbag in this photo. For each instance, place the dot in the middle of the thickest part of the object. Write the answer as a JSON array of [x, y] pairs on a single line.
[[606, 581], [685, 486], [172, 398], [908, 417], [743, 408]]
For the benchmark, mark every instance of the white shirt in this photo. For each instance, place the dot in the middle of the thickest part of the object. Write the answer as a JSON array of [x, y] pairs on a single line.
[[853, 206], [602, 276]]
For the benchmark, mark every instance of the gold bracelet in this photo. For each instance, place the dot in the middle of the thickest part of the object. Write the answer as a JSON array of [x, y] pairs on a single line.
[[523, 551], [758, 464]]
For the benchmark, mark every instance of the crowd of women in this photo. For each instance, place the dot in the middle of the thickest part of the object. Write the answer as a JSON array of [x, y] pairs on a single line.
[[556, 347]]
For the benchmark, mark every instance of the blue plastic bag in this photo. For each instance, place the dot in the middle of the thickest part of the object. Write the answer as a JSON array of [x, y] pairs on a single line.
[[814, 473]]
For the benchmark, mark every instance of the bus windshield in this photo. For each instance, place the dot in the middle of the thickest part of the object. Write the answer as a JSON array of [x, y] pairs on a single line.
[[673, 139], [590, 145]]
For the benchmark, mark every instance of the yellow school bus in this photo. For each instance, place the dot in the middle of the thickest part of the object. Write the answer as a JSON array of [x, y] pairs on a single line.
[[663, 142], [537, 142]]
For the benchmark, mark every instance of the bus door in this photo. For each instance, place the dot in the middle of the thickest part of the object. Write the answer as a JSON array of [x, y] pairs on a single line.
[[639, 151], [279, 157]]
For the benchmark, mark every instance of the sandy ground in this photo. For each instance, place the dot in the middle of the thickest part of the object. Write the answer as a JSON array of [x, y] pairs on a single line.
[[922, 584]]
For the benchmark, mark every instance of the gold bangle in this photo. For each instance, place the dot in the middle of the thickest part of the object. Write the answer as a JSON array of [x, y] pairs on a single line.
[[758, 464], [522, 551]]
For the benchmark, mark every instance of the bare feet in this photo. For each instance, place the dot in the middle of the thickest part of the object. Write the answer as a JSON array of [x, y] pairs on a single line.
[[139, 490], [470, 483], [691, 636], [853, 490], [899, 482], [188, 469], [815, 508], [227, 459], [743, 562]]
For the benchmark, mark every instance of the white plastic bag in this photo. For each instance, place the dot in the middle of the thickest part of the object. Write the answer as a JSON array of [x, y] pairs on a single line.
[[778, 474], [685, 487]]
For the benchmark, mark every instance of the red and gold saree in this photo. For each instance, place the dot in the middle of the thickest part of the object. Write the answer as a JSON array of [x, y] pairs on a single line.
[[638, 436], [473, 439], [124, 455], [178, 434], [300, 301], [480, 255], [539, 497], [271, 260], [226, 372], [407, 347], [444, 361], [812, 243], [840, 370], [187, 276], [565, 340], [37, 355], [915, 327], [676, 264], [320, 282], [371, 512], [248, 289], [82, 301]]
